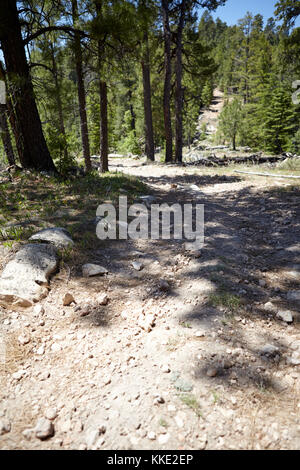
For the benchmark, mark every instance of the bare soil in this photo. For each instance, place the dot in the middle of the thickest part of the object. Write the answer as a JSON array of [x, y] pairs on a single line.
[[199, 378]]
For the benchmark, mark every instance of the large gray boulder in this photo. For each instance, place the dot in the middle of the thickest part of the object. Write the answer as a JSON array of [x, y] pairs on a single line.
[[25, 278], [58, 236]]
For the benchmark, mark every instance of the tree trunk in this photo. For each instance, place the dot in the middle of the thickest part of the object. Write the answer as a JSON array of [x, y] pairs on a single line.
[[103, 101], [147, 101], [35, 153], [103, 128], [11, 114], [167, 84], [59, 102], [81, 92], [5, 135], [132, 113], [234, 142], [178, 89]]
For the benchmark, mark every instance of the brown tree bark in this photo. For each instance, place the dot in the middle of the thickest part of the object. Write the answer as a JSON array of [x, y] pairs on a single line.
[[103, 101], [5, 135], [103, 128], [178, 88], [167, 84], [147, 100], [11, 114], [81, 92], [35, 153]]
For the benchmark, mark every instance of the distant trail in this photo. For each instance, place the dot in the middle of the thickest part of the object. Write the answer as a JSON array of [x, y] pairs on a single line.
[[210, 116]]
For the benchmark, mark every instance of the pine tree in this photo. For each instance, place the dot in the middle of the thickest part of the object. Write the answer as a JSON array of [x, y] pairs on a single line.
[[280, 121], [231, 121], [207, 93]]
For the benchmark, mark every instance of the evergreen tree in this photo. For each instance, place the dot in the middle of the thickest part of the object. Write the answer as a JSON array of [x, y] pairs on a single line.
[[231, 121], [280, 121]]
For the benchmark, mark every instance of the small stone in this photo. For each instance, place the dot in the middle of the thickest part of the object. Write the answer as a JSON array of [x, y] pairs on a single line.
[[84, 310], [124, 315], [270, 307], [212, 372], [294, 360], [163, 438], [89, 270], [166, 369], [28, 434], [269, 350], [262, 283], [44, 429], [192, 248], [24, 339], [51, 414], [55, 347], [38, 310], [285, 316], [199, 334], [164, 285], [68, 299], [103, 299], [202, 442], [137, 265], [179, 421], [5, 426], [151, 435], [19, 374], [40, 351], [159, 400]]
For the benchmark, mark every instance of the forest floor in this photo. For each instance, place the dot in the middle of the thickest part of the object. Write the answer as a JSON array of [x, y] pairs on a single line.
[[218, 370]]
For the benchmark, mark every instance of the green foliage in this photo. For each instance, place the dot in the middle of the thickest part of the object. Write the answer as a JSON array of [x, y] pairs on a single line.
[[191, 401], [130, 142], [279, 121], [231, 120], [225, 299], [255, 65], [57, 144], [207, 94]]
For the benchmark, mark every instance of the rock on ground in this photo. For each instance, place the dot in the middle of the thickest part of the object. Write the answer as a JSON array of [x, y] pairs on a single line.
[[58, 236], [24, 280], [44, 429], [89, 270]]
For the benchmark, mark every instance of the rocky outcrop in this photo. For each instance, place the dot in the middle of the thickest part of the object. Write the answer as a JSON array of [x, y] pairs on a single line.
[[24, 279]]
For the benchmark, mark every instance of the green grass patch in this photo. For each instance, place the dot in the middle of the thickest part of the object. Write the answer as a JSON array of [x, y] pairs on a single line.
[[33, 200], [190, 400], [162, 422], [225, 299]]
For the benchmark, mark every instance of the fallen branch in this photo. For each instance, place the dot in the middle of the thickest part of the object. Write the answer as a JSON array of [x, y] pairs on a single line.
[[213, 160], [266, 174]]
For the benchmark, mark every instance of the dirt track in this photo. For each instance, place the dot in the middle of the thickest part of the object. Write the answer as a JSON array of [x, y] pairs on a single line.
[[200, 378]]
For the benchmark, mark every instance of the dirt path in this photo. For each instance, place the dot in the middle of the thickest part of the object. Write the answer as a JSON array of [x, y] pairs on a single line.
[[205, 376], [211, 115]]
